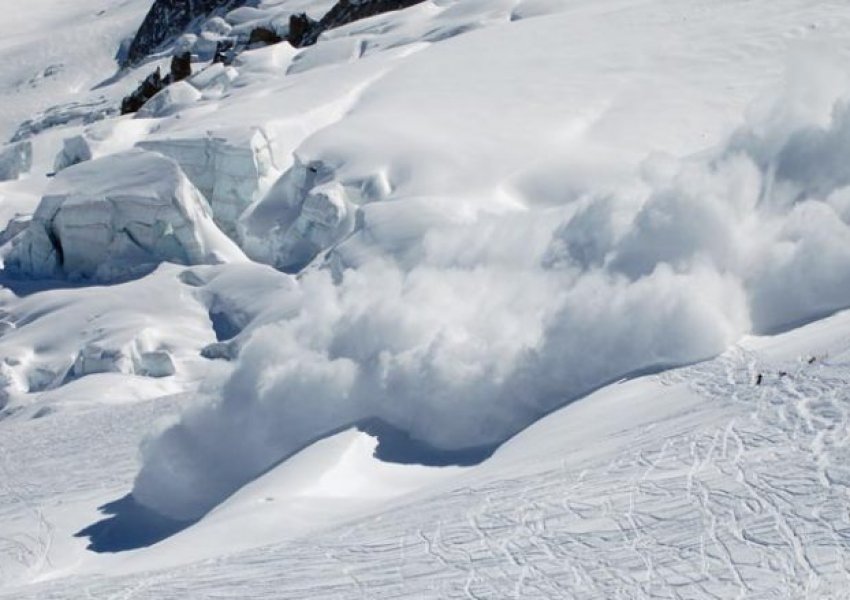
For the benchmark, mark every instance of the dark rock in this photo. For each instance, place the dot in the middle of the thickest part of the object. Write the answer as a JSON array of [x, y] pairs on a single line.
[[300, 25], [264, 36], [149, 88], [225, 52], [166, 20], [181, 67]]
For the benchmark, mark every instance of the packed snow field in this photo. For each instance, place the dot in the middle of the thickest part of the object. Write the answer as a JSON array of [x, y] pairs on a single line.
[[513, 298]]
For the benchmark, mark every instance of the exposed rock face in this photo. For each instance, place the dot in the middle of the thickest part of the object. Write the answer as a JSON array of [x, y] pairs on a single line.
[[150, 87], [306, 31], [300, 26], [166, 20], [263, 36], [181, 66], [116, 218]]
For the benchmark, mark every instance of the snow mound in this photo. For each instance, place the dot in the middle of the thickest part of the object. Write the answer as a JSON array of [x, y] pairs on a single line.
[[118, 217]]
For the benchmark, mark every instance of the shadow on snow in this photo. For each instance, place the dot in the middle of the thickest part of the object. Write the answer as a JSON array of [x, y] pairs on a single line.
[[129, 526]]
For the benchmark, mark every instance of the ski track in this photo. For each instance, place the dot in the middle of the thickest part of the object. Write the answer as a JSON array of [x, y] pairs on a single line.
[[82, 454], [745, 496]]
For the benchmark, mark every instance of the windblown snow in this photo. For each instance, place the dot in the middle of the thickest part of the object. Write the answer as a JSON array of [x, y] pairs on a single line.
[[515, 298]]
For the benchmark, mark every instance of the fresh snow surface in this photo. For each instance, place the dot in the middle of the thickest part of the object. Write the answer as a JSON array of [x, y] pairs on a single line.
[[600, 246]]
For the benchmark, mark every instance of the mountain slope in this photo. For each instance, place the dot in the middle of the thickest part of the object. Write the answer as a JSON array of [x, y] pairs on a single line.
[[524, 298], [694, 483]]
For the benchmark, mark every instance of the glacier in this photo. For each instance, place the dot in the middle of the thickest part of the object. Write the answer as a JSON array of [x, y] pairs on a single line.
[[144, 211]]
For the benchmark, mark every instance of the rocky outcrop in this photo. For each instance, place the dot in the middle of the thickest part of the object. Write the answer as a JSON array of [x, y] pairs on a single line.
[[150, 87], [153, 84], [166, 20], [119, 217], [181, 66], [303, 31], [300, 26], [263, 36]]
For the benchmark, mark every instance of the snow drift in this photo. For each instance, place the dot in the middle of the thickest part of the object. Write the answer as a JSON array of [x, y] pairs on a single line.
[[466, 328]]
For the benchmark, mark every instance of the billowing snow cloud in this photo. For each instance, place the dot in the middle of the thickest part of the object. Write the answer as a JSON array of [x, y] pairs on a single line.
[[466, 328]]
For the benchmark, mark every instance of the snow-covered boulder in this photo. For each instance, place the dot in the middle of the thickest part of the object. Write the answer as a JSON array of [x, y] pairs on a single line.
[[94, 358], [229, 170], [117, 217], [305, 213], [15, 160]]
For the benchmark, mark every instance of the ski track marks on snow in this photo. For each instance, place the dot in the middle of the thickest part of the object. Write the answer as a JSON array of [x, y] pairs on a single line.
[[741, 494], [61, 455]]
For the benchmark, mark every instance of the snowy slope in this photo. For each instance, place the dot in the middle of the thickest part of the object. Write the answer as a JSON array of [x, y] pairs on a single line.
[[469, 227], [694, 483]]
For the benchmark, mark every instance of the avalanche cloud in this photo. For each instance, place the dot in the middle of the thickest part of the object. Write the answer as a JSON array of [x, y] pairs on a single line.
[[462, 326]]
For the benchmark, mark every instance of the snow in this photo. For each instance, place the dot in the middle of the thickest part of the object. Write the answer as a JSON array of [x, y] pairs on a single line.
[[142, 212], [15, 160], [231, 169], [696, 480], [169, 101], [600, 239]]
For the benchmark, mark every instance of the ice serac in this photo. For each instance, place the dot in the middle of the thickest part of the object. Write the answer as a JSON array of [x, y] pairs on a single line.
[[15, 160], [228, 168], [118, 217], [75, 150], [166, 20], [305, 213]]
